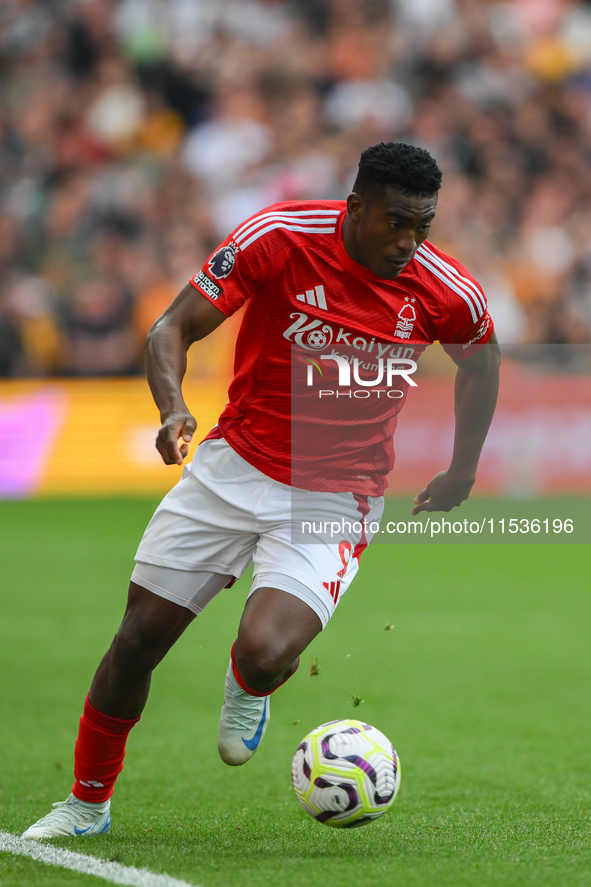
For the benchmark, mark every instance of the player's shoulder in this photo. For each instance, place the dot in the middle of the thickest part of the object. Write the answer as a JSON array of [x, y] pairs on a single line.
[[448, 279], [433, 259], [289, 220]]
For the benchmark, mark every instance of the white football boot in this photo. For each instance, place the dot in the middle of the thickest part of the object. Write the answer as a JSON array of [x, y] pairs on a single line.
[[72, 817], [243, 722]]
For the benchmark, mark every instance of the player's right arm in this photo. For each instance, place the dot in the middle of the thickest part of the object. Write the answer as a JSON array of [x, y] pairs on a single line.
[[189, 318]]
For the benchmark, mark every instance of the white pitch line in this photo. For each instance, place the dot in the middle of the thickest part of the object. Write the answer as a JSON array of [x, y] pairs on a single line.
[[87, 865]]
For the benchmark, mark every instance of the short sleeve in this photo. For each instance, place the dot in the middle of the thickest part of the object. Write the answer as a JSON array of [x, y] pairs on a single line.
[[466, 325], [470, 339], [228, 277]]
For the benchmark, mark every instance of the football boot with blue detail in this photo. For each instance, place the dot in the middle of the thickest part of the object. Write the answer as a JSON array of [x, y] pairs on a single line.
[[71, 817], [243, 722]]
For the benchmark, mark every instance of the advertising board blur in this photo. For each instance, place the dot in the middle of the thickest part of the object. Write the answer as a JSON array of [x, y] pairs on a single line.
[[96, 437]]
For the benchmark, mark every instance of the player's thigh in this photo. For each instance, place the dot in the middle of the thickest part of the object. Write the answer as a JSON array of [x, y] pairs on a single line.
[[151, 621]]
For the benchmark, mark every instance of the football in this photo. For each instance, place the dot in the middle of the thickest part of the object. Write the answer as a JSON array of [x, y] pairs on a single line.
[[345, 773]]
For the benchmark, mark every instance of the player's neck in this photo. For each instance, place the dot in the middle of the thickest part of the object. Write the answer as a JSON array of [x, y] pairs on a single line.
[[350, 243]]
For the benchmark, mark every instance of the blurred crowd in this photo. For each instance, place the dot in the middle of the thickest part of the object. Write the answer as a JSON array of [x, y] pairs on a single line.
[[135, 134]]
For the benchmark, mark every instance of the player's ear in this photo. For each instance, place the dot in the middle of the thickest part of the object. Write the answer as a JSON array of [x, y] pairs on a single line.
[[354, 206]]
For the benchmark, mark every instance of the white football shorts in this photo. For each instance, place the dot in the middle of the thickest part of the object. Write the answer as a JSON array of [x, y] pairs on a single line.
[[224, 513]]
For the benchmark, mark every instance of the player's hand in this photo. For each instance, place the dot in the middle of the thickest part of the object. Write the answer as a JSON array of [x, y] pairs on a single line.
[[174, 438], [443, 492]]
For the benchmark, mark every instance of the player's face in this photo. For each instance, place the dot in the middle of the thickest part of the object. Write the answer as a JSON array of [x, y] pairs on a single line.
[[383, 233]]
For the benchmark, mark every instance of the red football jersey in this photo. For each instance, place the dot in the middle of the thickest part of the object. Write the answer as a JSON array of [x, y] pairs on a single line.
[[324, 355]]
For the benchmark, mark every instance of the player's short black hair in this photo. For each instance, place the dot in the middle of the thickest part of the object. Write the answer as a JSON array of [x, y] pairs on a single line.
[[397, 165]]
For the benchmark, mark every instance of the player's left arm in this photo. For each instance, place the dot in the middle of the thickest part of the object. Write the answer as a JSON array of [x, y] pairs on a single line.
[[476, 389]]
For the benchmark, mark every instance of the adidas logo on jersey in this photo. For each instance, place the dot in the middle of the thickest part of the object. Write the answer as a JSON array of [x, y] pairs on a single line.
[[316, 297]]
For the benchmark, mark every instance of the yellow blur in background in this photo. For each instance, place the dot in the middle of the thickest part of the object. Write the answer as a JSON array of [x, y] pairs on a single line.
[[97, 437], [85, 437]]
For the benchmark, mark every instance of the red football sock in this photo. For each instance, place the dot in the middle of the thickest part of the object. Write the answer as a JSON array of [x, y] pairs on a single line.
[[245, 686], [99, 753]]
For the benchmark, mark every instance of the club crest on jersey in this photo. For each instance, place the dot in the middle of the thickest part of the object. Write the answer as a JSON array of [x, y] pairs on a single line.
[[406, 318], [222, 261]]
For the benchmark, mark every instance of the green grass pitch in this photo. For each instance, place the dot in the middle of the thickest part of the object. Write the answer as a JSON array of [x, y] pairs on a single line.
[[473, 659]]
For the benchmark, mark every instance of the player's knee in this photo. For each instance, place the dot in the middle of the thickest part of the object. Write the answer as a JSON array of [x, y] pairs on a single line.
[[263, 665], [135, 651]]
